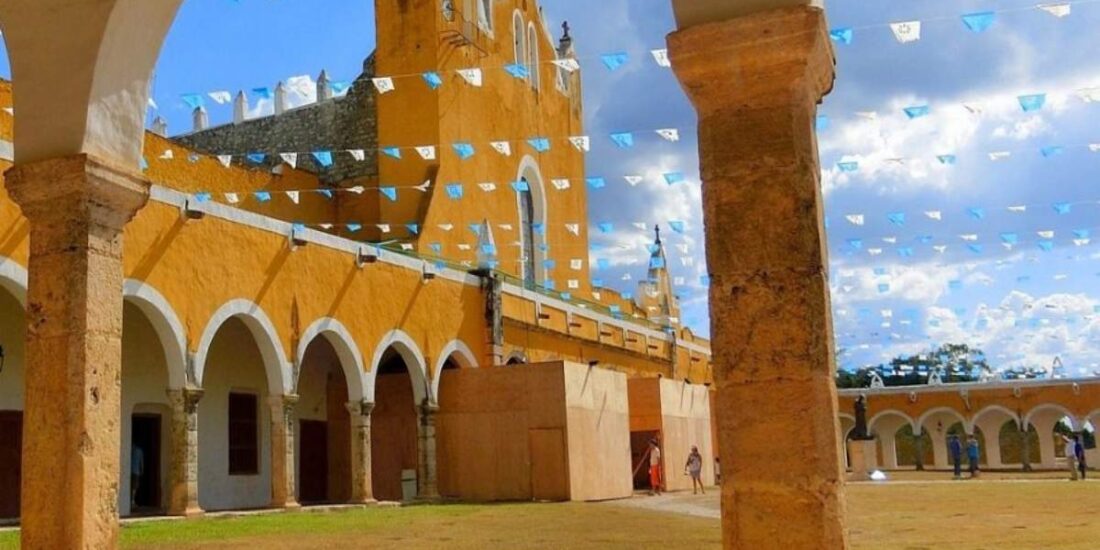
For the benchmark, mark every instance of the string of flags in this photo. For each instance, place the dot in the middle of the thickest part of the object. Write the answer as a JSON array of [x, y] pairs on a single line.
[[850, 163], [978, 213], [909, 31]]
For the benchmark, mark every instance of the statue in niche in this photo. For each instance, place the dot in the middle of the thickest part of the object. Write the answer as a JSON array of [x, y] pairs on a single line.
[[859, 433]]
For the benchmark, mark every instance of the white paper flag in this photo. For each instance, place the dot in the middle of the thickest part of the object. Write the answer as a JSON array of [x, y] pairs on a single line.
[[970, 237], [383, 84], [446, 226], [890, 240], [868, 115], [633, 180], [505, 226], [1045, 234], [293, 196], [874, 251], [573, 284], [934, 215], [358, 154], [906, 31], [358, 189], [568, 64], [582, 143], [406, 246], [999, 155], [502, 147], [290, 158], [1081, 242], [1088, 95], [221, 97], [640, 225], [426, 152], [560, 184], [687, 261], [464, 247], [232, 198], [225, 160], [487, 187], [1061, 9], [661, 57], [854, 219], [471, 76], [576, 264], [974, 108], [1017, 209], [669, 134], [384, 227], [326, 226], [167, 155], [573, 228]]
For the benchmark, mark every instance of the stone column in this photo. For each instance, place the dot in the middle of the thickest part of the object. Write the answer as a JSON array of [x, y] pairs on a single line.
[[427, 486], [77, 208], [183, 468], [918, 447], [941, 460], [755, 81], [1025, 449], [991, 439], [1048, 459], [283, 494], [362, 491], [888, 439]]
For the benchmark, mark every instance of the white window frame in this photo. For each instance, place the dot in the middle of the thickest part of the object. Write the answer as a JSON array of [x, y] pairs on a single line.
[[484, 14], [519, 39], [533, 61]]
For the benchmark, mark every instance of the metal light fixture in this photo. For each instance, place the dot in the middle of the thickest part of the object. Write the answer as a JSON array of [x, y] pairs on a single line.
[[365, 256], [191, 212]]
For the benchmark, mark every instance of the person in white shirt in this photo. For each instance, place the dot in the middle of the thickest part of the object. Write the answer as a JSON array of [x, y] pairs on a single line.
[[654, 467], [1071, 457]]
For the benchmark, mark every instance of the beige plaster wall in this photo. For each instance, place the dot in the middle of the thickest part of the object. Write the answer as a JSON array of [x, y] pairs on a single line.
[[234, 363], [598, 433], [12, 333], [685, 410]]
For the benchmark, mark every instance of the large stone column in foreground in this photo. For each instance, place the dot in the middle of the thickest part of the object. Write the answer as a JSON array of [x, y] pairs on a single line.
[[755, 81], [283, 485], [362, 490], [183, 468], [77, 209]]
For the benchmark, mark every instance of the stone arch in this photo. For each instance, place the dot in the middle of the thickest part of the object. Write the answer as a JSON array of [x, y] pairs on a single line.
[[461, 353], [82, 72], [279, 377], [530, 172], [13, 278], [519, 37], [414, 360], [169, 329], [534, 63], [516, 358], [933, 412], [351, 360], [994, 409], [871, 423], [1075, 422]]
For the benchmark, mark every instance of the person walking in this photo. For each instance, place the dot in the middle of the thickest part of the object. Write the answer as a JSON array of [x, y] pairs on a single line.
[[1071, 456], [973, 453], [654, 468], [694, 468], [1079, 446], [956, 450], [717, 471]]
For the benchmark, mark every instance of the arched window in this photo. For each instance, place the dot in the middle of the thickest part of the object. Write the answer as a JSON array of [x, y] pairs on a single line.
[[532, 222], [527, 235], [533, 55], [518, 34], [484, 13]]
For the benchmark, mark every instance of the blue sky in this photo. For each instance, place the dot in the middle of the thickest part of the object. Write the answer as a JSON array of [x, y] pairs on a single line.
[[1023, 305]]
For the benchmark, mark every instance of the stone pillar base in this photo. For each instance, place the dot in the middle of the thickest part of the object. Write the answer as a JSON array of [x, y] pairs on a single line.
[[861, 455]]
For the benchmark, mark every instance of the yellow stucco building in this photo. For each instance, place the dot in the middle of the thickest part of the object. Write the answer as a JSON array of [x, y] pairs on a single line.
[[292, 351]]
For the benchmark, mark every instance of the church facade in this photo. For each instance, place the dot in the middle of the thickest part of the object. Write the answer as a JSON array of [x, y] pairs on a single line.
[[292, 350]]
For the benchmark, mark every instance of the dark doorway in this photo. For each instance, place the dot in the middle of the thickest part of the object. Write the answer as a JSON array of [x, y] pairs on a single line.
[[145, 463], [11, 436], [393, 431], [314, 461], [639, 456]]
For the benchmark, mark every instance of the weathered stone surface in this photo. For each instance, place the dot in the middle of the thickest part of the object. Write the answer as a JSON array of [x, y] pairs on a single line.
[[77, 208], [183, 468], [755, 81], [283, 494], [362, 490], [427, 479]]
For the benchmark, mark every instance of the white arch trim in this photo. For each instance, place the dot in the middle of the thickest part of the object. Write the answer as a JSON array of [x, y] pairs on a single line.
[[279, 378], [938, 410], [351, 360], [414, 362], [169, 329], [890, 412], [462, 355], [994, 409], [13, 277], [1075, 423]]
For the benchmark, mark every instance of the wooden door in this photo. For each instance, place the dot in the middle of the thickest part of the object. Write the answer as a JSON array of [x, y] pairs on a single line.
[[313, 463], [145, 434], [11, 448], [549, 464]]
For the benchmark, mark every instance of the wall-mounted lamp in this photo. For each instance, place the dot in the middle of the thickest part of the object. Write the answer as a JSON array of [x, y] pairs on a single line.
[[365, 256], [632, 340], [296, 240], [575, 324], [428, 275], [592, 364], [544, 316], [192, 213], [607, 333]]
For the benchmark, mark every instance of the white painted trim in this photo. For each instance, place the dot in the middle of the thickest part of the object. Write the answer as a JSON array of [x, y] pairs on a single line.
[[463, 356], [13, 277], [971, 386], [414, 362], [994, 408], [547, 301], [351, 360], [169, 329], [890, 412], [1075, 422], [7, 150], [279, 377], [932, 412]]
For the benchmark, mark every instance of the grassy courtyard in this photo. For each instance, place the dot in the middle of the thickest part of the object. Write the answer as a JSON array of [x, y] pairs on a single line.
[[967, 515]]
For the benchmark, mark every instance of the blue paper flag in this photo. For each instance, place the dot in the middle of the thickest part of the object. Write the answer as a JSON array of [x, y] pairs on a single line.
[[896, 218], [624, 140], [672, 178], [597, 283], [339, 87], [821, 123], [954, 284], [842, 35], [256, 158], [541, 145], [653, 248], [454, 191], [1062, 207], [979, 21], [856, 243], [976, 213], [596, 183], [975, 248], [194, 101], [389, 192], [656, 263], [566, 296], [704, 280], [464, 150], [262, 196], [549, 264], [1046, 246], [676, 226], [517, 71], [143, 164], [327, 193], [925, 239], [883, 288], [203, 197], [520, 186], [263, 92], [606, 227], [539, 229], [354, 227], [488, 249], [324, 158], [1010, 238], [614, 60], [433, 80], [879, 271], [848, 166], [297, 227], [603, 263], [946, 159], [916, 111], [905, 252], [1081, 233], [413, 228], [1032, 102], [436, 247], [394, 152], [1051, 150]]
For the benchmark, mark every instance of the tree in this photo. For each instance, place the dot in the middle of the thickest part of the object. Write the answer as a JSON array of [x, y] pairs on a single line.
[[955, 362]]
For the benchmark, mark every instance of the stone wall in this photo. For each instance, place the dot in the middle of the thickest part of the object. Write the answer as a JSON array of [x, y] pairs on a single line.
[[338, 124]]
